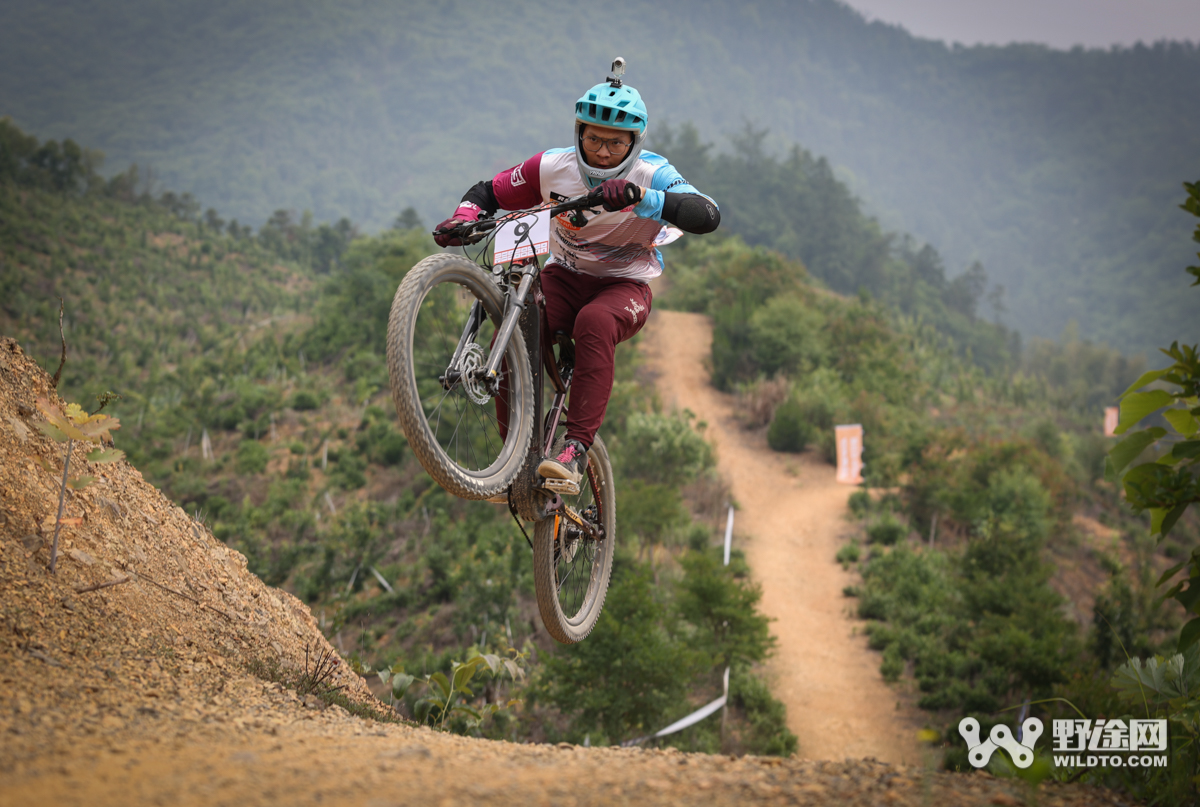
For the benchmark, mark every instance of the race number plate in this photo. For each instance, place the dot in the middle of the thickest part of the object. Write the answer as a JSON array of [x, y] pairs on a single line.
[[523, 237]]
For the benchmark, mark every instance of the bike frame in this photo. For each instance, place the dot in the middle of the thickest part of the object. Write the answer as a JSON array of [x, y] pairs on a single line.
[[523, 286]]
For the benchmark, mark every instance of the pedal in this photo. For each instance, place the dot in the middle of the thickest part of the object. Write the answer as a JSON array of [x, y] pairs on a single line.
[[563, 487]]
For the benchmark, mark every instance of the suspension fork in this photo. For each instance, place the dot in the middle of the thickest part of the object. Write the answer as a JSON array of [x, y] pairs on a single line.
[[512, 314], [474, 319]]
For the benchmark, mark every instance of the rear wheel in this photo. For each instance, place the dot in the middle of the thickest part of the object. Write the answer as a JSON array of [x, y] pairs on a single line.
[[572, 565], [447, 413]]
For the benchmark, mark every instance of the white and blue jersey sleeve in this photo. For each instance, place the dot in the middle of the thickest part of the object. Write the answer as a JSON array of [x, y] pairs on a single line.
[[665, 178]]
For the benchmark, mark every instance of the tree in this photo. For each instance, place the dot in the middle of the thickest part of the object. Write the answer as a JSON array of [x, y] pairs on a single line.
[[408, 220], [1169, 483], [723, 605], [631, 674]]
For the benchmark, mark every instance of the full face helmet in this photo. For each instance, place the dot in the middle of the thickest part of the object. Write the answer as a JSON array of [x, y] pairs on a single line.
[[615, 106]]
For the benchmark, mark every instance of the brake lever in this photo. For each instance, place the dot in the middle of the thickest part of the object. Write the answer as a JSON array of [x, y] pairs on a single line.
[[470, 232]]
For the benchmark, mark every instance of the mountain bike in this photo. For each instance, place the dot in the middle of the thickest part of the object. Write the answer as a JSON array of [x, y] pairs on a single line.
[[469, 356]]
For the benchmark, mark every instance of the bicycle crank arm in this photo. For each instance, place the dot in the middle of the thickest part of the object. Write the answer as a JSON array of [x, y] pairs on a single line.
[[570, 513]]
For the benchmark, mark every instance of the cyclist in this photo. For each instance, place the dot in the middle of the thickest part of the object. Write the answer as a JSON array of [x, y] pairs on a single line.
[[595, 281]]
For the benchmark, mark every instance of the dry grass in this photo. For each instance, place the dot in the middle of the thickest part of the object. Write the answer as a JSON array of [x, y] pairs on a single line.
[[757, 402]]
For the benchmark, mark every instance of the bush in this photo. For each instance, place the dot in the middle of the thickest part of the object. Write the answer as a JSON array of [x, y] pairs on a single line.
[[252, 457], [349, 472], [893, 663], [631, 674], [723, 606], [767, 716], [665, 448], [860, 503], [304, 400], [380, 442], [790, 429], [850, 553], [786, 336], [887, 530], [757, 402]]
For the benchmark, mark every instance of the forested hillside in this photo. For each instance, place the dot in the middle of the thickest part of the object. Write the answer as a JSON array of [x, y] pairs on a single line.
[[997, 564], [1056, 170]]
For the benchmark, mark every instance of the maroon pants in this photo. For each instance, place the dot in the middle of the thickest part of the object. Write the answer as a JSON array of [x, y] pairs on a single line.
[[598, 313]]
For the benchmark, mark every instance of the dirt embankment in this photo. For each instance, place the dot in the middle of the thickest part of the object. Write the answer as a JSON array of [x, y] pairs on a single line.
[[140, 693]]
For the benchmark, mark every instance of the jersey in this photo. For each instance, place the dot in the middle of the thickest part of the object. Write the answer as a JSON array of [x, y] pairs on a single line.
[[603, 244]]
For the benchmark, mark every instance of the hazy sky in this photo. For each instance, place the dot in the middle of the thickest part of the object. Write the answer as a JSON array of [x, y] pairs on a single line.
[[1059, 23]]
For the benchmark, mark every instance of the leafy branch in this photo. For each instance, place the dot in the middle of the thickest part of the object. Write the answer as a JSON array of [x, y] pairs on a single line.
[[1192, 205], [1167, 485], [1169, 687]]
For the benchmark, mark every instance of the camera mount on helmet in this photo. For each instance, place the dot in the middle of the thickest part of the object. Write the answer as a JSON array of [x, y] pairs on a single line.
[[618, 70]]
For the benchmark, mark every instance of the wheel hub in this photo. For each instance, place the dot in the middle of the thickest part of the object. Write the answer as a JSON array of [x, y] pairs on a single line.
[[471, 361]]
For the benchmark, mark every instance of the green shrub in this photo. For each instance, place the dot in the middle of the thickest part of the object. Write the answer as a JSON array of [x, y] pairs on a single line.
[[1047, 436], [722, 604], [768, 734], [252, 457], [786, 336], [860, 503], [887, 530], [631, 675], [664, 448], [349, 472], [651, 511], [848, 554], [380, 442], [790, 429], [893, 663], [304, 400]]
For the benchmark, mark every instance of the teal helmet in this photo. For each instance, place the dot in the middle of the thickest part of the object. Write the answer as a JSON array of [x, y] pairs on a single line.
[[613, 105]]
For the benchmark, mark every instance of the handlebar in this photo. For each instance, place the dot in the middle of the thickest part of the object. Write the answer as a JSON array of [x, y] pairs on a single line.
[[474, 231]]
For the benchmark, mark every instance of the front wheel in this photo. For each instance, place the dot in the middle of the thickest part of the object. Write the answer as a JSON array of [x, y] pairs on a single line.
[[572, 564], [443, 319]]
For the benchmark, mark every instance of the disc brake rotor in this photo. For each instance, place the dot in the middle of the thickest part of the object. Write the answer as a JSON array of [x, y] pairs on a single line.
[[568, 549], [472, 359]]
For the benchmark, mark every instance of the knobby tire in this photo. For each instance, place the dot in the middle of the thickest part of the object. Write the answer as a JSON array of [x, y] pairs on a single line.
[[454, 436], [570, 593]]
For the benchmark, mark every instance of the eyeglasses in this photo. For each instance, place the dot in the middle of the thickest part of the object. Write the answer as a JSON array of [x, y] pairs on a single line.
[[616, 146]]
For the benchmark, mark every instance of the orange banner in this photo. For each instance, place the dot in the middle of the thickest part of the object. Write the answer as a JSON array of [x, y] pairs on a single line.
[[849, 453], [1112, 416]]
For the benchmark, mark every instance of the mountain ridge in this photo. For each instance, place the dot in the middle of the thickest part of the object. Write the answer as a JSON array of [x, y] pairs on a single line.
[[1057, 169]]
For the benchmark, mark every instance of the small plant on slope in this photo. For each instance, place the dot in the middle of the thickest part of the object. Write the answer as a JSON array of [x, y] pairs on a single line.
[[67, 427], [444, 691]]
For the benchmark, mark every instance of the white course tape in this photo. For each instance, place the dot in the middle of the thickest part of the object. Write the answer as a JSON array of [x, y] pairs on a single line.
[[692, 719], [703, 711], [728, 534]]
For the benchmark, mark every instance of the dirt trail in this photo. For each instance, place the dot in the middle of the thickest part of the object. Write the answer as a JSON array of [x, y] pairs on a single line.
[[791, 518], [142, 692]]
